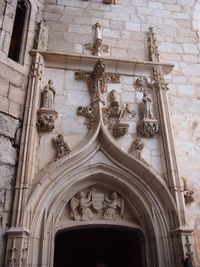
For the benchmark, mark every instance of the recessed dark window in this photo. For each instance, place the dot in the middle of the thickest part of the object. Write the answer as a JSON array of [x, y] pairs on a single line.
[[19, 32]]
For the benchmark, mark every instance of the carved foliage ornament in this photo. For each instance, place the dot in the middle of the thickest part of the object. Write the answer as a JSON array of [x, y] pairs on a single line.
[[61, 146], [87, 205]]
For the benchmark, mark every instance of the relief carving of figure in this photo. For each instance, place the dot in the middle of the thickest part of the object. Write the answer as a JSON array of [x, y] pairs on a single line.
[[114, 207], [147, 103], [80, 207], [48, 95]]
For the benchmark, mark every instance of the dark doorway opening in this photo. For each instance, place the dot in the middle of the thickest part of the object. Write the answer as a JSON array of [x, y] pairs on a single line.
[[99, 247]]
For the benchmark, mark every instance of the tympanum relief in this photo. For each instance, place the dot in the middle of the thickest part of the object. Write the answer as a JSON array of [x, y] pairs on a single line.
[[148, 126], [96, 204], [47, 114]]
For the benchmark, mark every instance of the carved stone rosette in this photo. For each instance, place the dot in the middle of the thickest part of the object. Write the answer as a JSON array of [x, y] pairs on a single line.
[[148, 127], [62, 148], [46, 119]]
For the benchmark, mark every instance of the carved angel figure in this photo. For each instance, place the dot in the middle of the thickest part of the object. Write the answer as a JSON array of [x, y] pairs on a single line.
[[48, 95], [80, 207], [114, 207]]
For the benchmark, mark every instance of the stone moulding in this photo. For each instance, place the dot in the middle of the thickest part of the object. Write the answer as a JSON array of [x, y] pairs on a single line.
[[63, 58]]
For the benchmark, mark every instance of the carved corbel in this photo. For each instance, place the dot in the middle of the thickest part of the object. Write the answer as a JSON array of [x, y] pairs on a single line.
[[62, 148], [97, 47], [148, 126]]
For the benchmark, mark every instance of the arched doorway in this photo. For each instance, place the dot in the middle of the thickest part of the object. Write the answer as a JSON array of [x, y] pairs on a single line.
[[99, 247]]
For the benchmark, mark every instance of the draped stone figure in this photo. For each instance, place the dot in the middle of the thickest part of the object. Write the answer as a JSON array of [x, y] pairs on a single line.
[[48, 95]]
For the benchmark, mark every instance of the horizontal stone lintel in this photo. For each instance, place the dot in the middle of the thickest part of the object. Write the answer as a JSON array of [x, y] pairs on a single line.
[[86, 62]]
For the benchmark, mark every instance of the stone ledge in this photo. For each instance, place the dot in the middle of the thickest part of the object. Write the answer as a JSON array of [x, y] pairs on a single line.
[[57, 59]]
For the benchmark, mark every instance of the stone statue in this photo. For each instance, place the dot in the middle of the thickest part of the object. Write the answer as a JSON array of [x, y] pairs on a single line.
[[114, 207], [147, 103], [80, 208], [48, 95]]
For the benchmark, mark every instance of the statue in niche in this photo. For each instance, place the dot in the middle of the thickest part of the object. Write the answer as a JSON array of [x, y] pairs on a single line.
[[147, 103], [80, 207], [114, 207], [148, 126], [48, 95]]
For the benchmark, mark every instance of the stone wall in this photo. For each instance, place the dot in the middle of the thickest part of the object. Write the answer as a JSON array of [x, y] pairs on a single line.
[[124, 29]]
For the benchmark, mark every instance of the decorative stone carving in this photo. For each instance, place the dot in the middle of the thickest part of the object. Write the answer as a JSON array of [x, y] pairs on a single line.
[[115, 110], [48, 96], [153, 47], [189, 260], [88, 204], [90, 114], [136, 150], [47, 115], [148, 126], [97, 79], [188, 193], [114, 207], [97, 47], [61, 146], [97, 85], [46, 119], [143, 85]]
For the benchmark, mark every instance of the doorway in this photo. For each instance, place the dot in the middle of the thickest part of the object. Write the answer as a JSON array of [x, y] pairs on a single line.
[[99, 247]]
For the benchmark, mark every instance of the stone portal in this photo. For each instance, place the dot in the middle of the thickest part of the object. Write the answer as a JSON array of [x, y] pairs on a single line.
[[99, 247]]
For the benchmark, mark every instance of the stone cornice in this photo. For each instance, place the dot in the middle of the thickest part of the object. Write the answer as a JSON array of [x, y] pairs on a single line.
[[53, 57]]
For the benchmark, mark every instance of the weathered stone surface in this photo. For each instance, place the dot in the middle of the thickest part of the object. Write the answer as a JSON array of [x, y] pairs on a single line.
[[7, 175], [8, 153], [8, 125]]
